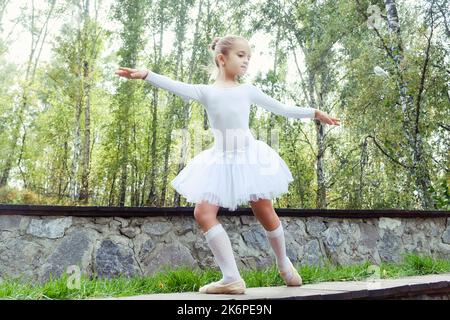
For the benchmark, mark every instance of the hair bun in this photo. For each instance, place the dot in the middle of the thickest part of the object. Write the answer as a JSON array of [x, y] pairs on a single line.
[[213, 44]]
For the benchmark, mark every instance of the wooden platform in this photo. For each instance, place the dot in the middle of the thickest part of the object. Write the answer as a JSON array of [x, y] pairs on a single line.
[[428, 285]]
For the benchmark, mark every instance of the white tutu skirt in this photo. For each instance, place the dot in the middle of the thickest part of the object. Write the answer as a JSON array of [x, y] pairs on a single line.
[[231, 178]]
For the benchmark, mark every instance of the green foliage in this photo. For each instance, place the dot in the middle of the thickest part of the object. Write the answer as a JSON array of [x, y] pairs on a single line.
[[441, 193], [10, 195], [45, 139]]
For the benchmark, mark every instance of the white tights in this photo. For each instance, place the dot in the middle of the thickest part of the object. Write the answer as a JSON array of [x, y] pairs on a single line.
[[220, 245], [277, 242]]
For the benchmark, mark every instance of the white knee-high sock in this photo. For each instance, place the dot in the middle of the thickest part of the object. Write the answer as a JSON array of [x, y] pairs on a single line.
[[277, 241], [220, 245]]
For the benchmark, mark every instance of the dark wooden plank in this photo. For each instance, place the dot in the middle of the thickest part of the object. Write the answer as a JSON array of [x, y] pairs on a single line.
[[107, 211]]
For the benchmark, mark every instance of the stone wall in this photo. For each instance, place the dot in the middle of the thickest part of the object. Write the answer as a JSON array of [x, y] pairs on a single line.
[[33, 247]]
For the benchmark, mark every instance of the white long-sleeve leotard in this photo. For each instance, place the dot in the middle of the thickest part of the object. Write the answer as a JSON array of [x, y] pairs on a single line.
[[228, 107]]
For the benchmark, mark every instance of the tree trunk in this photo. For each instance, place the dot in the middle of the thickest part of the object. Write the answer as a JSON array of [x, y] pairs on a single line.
[[33, 60], [419, 168], [186, 106]]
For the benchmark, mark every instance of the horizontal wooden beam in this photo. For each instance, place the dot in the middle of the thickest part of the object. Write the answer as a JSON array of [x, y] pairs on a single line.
[[109, 211]]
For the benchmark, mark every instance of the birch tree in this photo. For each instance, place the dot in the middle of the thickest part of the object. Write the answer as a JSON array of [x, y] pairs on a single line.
[[37, 23]]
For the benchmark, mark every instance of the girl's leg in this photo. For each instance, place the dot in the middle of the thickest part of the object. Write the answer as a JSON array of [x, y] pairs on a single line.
[[206, 215], [266, 215], [218, 241]]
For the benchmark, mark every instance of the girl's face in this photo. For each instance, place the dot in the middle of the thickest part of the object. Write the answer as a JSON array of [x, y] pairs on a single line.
[[238, 58]]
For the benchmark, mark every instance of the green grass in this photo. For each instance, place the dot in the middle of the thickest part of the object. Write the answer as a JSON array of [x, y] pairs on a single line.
[[185, 279]]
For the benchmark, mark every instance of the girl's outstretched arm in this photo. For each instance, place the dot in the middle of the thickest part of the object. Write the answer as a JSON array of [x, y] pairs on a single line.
[[273, 105], [186, 91]]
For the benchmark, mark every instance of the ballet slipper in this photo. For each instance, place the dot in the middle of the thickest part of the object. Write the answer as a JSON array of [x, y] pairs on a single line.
[[291, 277], [235, 287]]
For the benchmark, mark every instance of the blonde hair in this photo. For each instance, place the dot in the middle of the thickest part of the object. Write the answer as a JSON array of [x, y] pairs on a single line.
[[221, 45]]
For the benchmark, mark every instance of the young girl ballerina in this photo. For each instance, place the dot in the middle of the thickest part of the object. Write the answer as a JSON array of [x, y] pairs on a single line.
[[229, 174]]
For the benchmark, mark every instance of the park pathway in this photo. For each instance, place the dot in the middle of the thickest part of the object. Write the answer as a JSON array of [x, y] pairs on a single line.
[[435, 286]]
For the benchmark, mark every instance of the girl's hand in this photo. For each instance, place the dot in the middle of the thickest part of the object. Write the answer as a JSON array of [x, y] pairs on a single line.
[[325, 118], [131, 73]]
